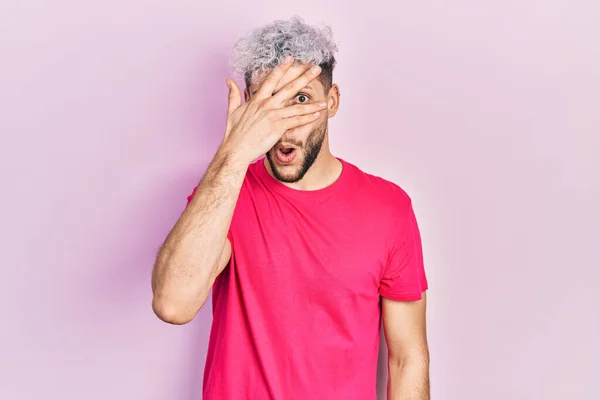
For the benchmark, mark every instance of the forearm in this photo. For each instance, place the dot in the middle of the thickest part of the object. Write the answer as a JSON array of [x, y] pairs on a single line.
[[409, 379], [187, 262]]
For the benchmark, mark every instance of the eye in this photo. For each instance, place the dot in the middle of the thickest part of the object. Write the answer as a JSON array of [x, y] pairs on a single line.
[[301, 98]]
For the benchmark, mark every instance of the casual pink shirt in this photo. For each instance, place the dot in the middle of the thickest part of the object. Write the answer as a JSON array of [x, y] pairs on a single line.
[[297, 310]]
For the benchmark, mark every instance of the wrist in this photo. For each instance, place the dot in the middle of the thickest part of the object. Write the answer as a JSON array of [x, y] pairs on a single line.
[[231, 158]]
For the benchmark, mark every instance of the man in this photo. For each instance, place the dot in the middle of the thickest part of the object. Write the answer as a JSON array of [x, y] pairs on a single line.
[[304, 252]]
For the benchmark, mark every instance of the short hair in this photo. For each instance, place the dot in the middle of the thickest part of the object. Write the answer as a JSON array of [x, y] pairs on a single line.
[[266, 47]]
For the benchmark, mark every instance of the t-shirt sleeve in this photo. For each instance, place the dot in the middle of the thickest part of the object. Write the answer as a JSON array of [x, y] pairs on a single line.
[[404, 277]]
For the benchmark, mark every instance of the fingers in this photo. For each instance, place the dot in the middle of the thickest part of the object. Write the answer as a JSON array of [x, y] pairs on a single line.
[[270, 83], [235, 96], [290, 75], [299, 120], [298, 109], [292, 88]]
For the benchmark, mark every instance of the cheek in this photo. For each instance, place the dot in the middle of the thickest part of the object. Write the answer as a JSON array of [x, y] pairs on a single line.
[[301, 133]]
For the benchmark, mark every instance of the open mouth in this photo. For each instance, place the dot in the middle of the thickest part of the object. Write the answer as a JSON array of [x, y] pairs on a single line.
[[285, 154]]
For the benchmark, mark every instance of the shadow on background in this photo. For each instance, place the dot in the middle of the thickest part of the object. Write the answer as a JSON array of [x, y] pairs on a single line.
[[210, 97], [121, 295]]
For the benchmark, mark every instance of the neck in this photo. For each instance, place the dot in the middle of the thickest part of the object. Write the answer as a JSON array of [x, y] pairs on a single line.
[[325, 171]]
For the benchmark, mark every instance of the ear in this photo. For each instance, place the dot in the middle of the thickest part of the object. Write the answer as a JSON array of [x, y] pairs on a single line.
[[246, 95], [333, 100]]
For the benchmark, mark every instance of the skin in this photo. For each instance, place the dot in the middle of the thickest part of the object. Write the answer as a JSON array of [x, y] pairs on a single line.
[[196, 249], [279, 109], [326, 168], [405, 330]]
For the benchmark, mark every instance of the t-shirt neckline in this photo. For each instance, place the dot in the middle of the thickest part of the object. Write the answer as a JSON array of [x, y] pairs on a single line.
[[288, 191]]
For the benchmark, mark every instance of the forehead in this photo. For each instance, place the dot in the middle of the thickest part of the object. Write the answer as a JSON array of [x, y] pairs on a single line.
[[294, 71]]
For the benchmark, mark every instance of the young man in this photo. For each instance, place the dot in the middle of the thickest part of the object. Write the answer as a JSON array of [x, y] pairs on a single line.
[[304, 252]]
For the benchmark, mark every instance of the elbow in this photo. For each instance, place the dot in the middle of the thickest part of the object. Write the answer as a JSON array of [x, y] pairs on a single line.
[[172, 313], [414, 356], [401, 364]]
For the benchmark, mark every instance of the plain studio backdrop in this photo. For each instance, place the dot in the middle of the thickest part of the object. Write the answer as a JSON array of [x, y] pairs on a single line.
[[486, 113]]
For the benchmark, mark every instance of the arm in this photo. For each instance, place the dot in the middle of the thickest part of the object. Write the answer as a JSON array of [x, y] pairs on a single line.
[[197, 249], [408, 354]]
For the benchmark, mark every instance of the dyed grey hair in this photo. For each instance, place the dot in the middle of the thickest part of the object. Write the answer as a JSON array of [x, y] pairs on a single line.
[[266, 47]]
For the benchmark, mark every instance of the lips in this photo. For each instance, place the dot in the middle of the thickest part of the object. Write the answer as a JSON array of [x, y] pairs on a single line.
[[285, 154]]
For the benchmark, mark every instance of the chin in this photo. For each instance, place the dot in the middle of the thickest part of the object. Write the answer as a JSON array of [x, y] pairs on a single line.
[[289, 172], [288, 176]]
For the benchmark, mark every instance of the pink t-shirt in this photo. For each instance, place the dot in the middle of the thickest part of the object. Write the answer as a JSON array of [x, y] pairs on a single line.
[[297, 310]]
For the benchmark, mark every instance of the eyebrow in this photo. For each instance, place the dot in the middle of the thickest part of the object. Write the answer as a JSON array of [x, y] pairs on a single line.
[[306, 87]]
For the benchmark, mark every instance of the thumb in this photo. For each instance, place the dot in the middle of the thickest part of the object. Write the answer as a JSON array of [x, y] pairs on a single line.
[[235, 96]]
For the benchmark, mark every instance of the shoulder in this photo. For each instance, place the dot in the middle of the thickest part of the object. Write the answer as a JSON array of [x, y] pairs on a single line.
[[254, 168], [254, 176], [379, 192]]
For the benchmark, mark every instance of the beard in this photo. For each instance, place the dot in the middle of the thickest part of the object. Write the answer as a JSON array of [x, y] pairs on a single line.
[[308, 151]]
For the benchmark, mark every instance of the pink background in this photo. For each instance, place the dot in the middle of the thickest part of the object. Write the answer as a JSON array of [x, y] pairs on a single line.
[[487, 113]]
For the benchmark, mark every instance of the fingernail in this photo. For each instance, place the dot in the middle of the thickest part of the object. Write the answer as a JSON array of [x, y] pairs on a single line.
[[315, 69], [322, 104], [317, 114], [288, 60]]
